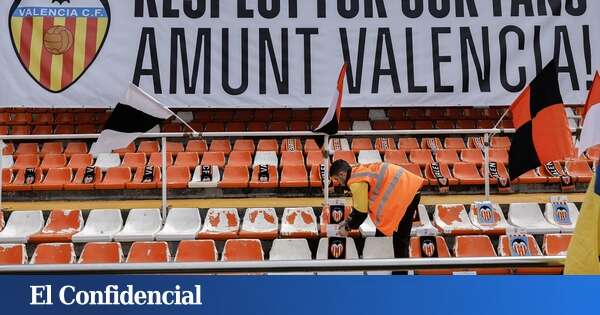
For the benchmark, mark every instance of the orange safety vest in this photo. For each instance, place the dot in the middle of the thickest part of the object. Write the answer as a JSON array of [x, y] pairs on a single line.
[[391, 190]]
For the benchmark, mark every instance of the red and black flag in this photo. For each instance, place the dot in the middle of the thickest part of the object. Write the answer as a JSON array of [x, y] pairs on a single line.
[[331, 121], [543, 133]]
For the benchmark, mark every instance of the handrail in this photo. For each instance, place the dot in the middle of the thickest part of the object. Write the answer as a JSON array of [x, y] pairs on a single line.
[[291, 265]]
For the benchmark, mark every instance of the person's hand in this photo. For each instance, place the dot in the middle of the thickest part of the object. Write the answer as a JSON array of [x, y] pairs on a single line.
[[343, 228]]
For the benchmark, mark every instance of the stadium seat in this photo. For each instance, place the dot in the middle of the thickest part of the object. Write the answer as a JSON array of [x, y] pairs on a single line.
[[532, 177], [26, 148], [27, 161], [359, 144], [101, 253], [351, 253], [556, 244], [593, 153], [172, 127], [155, 159], [149, 252], [499, 156], [477, 246], [423, 225], [134, 160], [445, 171], [368, 157], [55, 179], [378, 248], [474, 156], [311, 145], [408, 144], [447, 156], [395, 157], [235, 126], [433, 144], [196, 251], [314, 158], [381, 124], [243, 115], [220, 145], [385, 144], [453, 219], [213, 158], [267, 145], [101, 226], [278, 126], [235, 177], [141, 225], [8, 161], [403, 125], [214, 127], [260, 223], [78, 181], [181, 224], [425, 248], [502, 172], [21, 181], [361, 125], [529, 217], [294, 176], [467, 174], [240, 158], [115, 178], [21, 118], [445, 124], [298, 223], [500, 143], [51, 148], [292, 158], [244, 145], [290, 249], [346, 155], [420, 156], [489, 220], [454, 143], [108, 160], [175, 147], [21, 130], [580, 170], [220, 224], [198, 146], [42, 119], [187, 159], [475, 142], [9, 149], [87, 129], [178, 177], [564, 216], [209, 181], [20, 225], [54, 253], [78, 161], [256, 126], [130, 148], [265, 158], [423, 124], [53, 161], [242, 250], [524, 245], [60, 227], [338, 144], [270, 181], [291, 144], [140, 182], [13, 254]]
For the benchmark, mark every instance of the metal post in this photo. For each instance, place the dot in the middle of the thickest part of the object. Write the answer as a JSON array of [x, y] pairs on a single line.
[[164, 177], [486, 166], [326, 168]]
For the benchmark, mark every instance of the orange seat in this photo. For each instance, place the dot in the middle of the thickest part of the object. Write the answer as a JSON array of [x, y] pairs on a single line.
[[196, 251], [500, 143], [27, 161], [27, 148], [423, 124], [502, 172], [149, 146], [294, 176], [64, 118], [477, 246], [403, 125], [381, 125], [243, 115], [9, 149], [315, 179], [4, 118], [472, 156], [291, 144], [311, 145], [299, 115], [593, 153], [448, 156], [532, 177], [385, 144], [78, 181], [408, 144], [187, 159], [58, 253], [138, 179], [42, 130], [21, 130], [256, 126], [467, 174], [431, 143], [361, 144], [101, 253], [244, 145], [556, 244], [444, 124], [60, 227], [454, 143], [156, 159], [314, 158], [235, 177], [149, 252], [499, 156], [115, 178], [348, 156], [580, 170], [76, 148], [134, 160], [395, 156], [235, 126], [413, 168], [277, 114], [55, 179], [240, 158], [175, 147], [4, 130], [214, 127], [268, 145], [256, 181], [520, 249], [397, 113], [420, 156], [435, 113], [243, 250], [171, 127], [19, 184], [445, 171], [421, 247], [178, 177], [278, 126], [21, 118], [7, 177], [130, 148], [198, 146], [325, 219], [87, 129], [13, 254], [53, 161], [52, 148], [205, 115], [213, 158], [299, 126], [78, 161], [292, 158], [220, 145], [415, 113], [472, 113]]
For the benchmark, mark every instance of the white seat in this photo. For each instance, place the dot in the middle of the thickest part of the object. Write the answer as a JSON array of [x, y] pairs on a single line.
[[265, 158], [20, 225], [141, 225], [217, 221], [500, 224], [101, 226], [298, 222], [367, 228], [181, 224], [377, 114], [186, 116], [7, 161], [453, 219], [361, 125], [425, 227], [197, 178], [338, 144], [528, 216], [107, 160], [369, 156], [351, 253], [290, 249], [571, 215], [378, 248], [260, 223]]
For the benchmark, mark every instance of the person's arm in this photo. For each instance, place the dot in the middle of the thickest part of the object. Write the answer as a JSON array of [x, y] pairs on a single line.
[[360, 205]]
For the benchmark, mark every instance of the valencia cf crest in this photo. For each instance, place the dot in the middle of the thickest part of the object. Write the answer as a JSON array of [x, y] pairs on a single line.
[[428, 248], [337, 248], [519, 246], [336, 213], [58, 40]]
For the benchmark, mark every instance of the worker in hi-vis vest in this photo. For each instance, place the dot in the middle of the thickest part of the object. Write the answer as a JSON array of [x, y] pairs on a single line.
[[387, 193]]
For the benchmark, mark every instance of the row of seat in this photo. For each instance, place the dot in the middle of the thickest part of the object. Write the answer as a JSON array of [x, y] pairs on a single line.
[[263, 223]]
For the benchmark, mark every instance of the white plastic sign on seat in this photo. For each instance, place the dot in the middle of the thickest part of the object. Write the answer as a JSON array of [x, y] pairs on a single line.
[[205, 176]]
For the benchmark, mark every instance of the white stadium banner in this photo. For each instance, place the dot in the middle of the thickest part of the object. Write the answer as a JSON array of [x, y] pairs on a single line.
[[287, 53]]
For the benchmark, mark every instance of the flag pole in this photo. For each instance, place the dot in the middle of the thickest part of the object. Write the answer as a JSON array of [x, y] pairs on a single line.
[[195, 133], [164, 177], [487, 140], [326, 168]]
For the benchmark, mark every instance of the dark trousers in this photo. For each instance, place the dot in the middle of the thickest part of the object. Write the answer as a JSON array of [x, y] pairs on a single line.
[[401, 237]]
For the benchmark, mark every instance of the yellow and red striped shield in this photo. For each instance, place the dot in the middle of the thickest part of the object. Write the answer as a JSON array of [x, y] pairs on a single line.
[[57, 40]]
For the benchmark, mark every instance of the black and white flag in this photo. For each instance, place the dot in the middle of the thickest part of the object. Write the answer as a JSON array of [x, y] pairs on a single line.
[[137, 114]]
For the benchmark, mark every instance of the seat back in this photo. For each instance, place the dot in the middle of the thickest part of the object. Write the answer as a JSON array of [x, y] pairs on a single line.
[[290, 249], [243, 250], [78, 161], [556, 244], [240, 158], [196, 251], [149, 252], [474, 246], [55, 253], [13, 254], [101, 253], [63, 221]]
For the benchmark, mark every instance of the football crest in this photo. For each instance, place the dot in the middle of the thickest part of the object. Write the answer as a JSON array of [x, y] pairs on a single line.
[[520, 247], [337, 215], [57, 40], [428, 248]]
